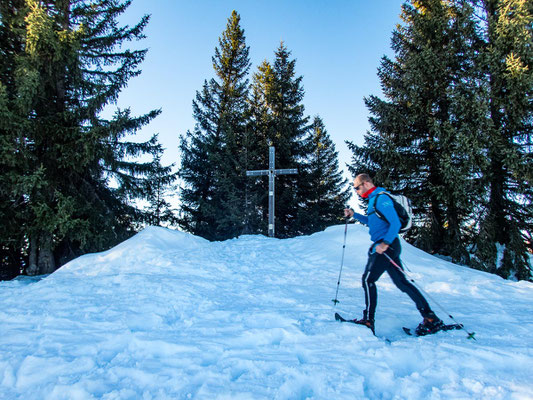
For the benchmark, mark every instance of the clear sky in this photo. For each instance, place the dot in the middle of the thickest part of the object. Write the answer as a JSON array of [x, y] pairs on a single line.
[[338, 45]]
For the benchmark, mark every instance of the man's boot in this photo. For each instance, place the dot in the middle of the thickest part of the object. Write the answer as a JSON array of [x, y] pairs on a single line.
[[369, 323], [430, 324]]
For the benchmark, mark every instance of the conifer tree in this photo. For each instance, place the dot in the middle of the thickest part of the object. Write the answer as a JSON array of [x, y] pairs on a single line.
[[329, 191], [291, 129], [67, 68], [213, 154], [158, 188], [426, 136], [259, 137], [282, 124], [508, 62], [12, 208]]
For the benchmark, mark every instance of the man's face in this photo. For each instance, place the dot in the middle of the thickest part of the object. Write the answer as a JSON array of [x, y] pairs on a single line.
[[360, 186]]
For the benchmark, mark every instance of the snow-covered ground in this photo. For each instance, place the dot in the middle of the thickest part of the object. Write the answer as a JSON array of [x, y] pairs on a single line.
[[166, 315]]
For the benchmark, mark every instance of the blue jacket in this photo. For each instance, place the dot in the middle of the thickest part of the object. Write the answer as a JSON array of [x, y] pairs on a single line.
[[380, 230]]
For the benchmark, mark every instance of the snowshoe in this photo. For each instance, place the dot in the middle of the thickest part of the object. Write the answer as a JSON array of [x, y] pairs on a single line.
[[431, 324], [365, 322]]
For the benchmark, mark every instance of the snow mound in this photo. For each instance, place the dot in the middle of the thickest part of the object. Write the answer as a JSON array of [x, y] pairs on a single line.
[[142, 253], [167, 315]]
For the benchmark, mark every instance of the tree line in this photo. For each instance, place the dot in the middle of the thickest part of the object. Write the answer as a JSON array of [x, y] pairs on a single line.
[[71, 180], [236, 121], [453, 131]]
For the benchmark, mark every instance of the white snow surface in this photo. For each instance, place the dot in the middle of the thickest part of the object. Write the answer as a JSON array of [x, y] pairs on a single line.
[[167, 315]]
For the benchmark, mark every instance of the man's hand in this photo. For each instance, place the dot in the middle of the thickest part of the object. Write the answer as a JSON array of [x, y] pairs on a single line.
[[381, 248], [348, 212]]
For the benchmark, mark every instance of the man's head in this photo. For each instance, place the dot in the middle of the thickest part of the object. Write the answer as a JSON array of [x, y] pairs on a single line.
[[362, 183]]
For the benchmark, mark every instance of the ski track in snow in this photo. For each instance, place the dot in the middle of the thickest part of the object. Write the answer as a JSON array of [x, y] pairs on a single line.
[[166, 315]]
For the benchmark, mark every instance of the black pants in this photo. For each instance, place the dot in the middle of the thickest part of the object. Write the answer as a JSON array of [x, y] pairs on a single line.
[[376, 265]]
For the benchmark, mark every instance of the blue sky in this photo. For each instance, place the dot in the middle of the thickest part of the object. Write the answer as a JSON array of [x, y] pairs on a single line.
[[338, 45]]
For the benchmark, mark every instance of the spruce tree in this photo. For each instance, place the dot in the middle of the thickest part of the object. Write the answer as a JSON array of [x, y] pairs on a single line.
[[281, 123], [329, 193], [213, 154], [507, 222], [69, 66], [291, 129], [426, 135], [258, 140], [158, 188], [12, 209]]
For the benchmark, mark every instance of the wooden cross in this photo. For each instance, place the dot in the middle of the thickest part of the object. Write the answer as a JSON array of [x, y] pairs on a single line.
[[271, 172]]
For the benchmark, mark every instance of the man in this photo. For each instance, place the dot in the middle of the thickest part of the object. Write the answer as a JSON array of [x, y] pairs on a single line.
[[384, 236]]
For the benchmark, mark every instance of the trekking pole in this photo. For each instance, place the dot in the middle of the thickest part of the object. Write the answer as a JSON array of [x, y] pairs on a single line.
[[470, 334], [335, 301]]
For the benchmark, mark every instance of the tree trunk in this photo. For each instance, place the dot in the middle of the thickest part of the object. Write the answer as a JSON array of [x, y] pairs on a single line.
[[47, 263], [33, 268]]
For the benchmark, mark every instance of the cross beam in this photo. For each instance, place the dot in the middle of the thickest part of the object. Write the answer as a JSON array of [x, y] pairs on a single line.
[[271, 172]]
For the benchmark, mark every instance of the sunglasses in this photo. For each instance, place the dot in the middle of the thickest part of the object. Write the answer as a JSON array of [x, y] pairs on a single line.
[[358, 186]]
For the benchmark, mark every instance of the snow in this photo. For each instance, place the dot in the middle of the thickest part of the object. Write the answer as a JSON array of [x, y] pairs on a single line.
[[166, 315]]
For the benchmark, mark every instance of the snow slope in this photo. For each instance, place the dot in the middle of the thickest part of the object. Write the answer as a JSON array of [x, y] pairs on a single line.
[[166, 315]]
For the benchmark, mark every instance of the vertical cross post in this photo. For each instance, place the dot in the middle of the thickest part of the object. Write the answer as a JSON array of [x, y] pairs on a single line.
[[271, 172]]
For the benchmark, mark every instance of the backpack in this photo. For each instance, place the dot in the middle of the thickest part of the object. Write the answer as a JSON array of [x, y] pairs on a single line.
[[402, 206]]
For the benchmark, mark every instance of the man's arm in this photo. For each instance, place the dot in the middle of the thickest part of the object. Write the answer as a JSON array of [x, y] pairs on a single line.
[[350, 213]]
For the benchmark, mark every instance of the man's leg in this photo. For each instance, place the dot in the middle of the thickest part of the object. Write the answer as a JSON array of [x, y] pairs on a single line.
[[407, 287], [374, 269], [431, 322], [400, 280]]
